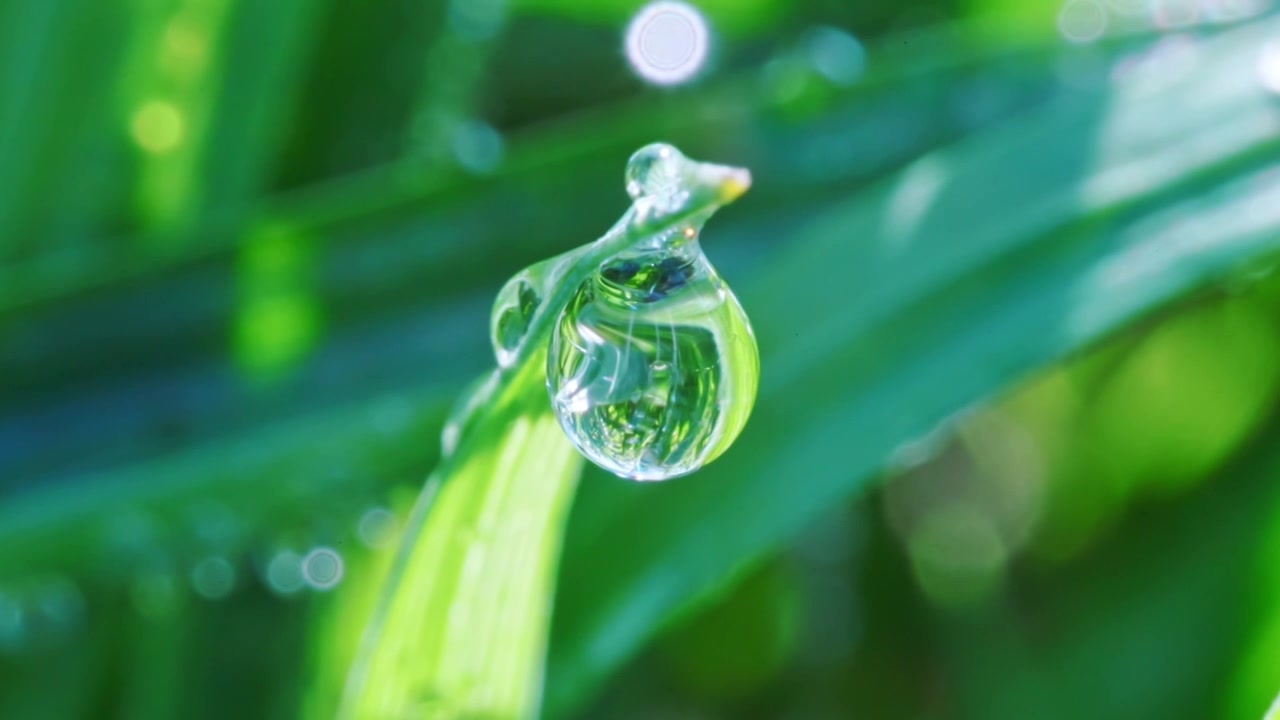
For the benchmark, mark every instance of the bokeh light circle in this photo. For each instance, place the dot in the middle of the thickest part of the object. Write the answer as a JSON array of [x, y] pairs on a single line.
[[322, 568], [1082, 21], [667, 42]]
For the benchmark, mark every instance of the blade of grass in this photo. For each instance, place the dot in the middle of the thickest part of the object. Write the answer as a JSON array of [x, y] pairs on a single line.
[[461, 628]]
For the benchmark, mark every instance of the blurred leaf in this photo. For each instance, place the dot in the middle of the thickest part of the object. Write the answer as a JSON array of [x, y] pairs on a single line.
[[1145, 625], [740, 641], [882, 318], [56, 61]]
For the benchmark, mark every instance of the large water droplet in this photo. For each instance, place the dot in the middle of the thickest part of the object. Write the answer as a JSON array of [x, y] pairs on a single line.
[[653, 366]]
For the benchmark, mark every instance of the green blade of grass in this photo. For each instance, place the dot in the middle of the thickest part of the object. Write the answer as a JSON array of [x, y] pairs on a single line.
[[884, 317], [461, 628]]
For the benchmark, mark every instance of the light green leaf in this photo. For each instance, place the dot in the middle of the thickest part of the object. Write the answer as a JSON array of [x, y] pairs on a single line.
[[462, 629]]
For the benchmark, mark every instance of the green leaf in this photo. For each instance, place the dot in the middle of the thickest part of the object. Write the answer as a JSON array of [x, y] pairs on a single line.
[[461, 631], [882, 318]]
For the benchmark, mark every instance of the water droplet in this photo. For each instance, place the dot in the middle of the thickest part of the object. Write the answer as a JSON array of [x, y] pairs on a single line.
[[654, 170], [653, 365], [519, 302]]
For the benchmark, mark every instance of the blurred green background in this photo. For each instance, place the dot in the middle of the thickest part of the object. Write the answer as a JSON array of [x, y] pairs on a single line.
[[1016, 451]]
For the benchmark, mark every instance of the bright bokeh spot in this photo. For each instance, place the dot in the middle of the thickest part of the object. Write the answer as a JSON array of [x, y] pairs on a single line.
[[1171, 14], [157, 126], [322, 568], [279, 319], [213, 578], [836, 54], [284, 573], [667, 42], [1082, 21], [186, 46], [1269, 67], [958, 555]]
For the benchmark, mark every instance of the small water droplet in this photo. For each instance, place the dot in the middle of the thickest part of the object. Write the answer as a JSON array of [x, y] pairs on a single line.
[[654, 170], [513, 313], [653, 364], [520, 301]]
